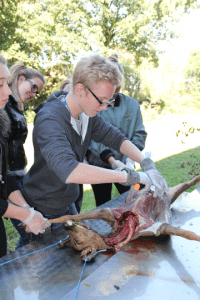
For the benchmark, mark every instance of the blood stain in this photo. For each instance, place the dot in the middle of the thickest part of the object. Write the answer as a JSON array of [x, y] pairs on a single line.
[[140, 245]]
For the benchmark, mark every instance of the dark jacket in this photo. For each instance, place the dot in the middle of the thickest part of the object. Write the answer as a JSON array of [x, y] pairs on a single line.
[[17, 158], [58, 149], [7, 182]]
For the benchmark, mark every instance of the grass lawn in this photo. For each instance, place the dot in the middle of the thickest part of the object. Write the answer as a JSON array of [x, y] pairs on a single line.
[[176, 169]]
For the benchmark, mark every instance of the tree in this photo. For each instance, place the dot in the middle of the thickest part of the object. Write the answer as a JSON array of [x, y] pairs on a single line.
[[47, 33], [52, 30], [137, 25], [8, 22], [192, 74]]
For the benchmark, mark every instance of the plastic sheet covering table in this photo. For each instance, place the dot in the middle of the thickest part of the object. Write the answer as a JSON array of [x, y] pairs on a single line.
[[146, 269]]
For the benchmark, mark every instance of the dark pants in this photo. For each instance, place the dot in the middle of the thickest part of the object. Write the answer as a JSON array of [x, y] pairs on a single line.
[[78, 202], [3, 241], [102, 192]]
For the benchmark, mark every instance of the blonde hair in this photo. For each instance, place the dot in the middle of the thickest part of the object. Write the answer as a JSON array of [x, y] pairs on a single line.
[[65, 85], [16, 71], [114, 58], [95, 68]]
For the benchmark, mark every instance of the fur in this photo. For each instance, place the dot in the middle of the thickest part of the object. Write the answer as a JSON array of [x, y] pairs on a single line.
[[4, 123]]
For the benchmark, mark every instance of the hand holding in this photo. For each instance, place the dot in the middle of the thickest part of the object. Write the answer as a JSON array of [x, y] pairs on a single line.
[[157, 179], [36, 223], [132, 177], [146, 181]]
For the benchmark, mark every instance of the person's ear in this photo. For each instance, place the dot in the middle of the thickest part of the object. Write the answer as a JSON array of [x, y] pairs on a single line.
[[21, 79], [79, 88]]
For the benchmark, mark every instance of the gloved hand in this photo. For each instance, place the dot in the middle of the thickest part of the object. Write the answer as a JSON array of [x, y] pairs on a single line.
[[146, 181], [118, 164], [36, 223], [132, 176], [157, 179], [137, 177], [130, 163]]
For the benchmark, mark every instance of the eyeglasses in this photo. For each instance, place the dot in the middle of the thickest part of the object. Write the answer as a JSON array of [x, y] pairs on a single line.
[[34, 88], [100, 102]]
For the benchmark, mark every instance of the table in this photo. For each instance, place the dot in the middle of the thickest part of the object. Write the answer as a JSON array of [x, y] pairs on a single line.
[[147, 268]]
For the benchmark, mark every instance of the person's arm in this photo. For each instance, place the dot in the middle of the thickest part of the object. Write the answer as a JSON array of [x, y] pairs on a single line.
[[17, 212], [147, 166], [34, 220], [17, 198], [84, 174], [131, 151]]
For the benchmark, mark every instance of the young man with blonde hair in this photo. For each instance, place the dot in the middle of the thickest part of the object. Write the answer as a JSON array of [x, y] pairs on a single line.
[[63, 129]]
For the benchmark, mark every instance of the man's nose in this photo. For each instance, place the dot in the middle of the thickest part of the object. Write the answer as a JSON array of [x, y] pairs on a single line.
[[104, 107]]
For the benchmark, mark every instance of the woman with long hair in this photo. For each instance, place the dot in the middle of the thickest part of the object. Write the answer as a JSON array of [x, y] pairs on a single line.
[[18, 208], [24, 83]]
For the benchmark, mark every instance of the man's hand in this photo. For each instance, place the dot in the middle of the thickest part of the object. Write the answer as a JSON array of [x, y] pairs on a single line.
[[36, 223], [137, 177], [157, 179]]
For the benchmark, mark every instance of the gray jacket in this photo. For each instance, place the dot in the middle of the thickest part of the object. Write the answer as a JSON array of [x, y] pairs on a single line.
[[58, 149], [125, 115]]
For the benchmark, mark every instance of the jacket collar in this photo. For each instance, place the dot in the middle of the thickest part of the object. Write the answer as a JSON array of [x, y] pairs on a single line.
[[117, 101]]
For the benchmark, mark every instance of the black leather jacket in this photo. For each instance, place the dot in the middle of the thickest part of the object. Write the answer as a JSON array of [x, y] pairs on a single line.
[[7, 182], [17, 158]]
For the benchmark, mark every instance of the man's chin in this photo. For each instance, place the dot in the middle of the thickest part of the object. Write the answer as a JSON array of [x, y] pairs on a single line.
[[92, 114]]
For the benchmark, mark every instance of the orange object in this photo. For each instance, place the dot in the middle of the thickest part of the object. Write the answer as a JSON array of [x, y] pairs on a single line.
[[137, 186]]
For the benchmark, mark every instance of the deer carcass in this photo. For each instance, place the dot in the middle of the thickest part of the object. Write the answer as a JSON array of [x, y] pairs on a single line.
[[141, 215]]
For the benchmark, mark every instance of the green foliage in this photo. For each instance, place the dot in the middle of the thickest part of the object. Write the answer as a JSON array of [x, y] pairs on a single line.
[[41, 32], [29, 115], [192, 74], [49, 35], [132, 81], [180, 167], [136, 25], [12, 235], [8, 23]]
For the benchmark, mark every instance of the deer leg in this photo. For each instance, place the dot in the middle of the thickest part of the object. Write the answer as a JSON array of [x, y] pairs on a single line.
[[182, 187], [174, 230], [65, 243], [105, 214]]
